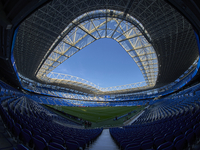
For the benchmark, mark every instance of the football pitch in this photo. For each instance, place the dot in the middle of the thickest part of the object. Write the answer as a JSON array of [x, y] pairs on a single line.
[[101, 116]]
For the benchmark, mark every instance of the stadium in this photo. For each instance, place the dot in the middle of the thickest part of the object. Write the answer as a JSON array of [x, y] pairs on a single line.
[[46, 110]]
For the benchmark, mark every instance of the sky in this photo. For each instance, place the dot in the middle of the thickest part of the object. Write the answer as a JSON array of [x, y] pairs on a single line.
[[104, 63]]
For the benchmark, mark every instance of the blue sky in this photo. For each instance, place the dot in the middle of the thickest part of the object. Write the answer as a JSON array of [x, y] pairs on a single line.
[[103, 62]]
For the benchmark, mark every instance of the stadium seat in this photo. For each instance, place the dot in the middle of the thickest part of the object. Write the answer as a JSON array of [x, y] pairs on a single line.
[[46, 136], [169, 137], [71, 146], [21, 147], [58, 140], [17, 130], [147, 145], [158, 141], [137, 147], [54, 145], [38, 144], [164, 145], [197, 132], [26, 136]]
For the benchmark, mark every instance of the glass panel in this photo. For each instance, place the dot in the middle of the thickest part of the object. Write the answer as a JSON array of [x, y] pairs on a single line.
[[48, 62], [138, 44], [116, 35], [111, 24], [144, 41], [102, 33], [140, 51], [54, 56], [121, 37], [89, 26], [84, 42], [136, 59], [133, 40], [109, 33], [95, 34], [55, 64], [103, 27], [61, 48], [131, 32], [79, 34], [62, 59], [127, 46], [71, 51], [45, 66], [132, 53]]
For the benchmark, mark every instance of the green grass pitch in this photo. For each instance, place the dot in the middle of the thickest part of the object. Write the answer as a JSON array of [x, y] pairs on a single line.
[[96, 114]]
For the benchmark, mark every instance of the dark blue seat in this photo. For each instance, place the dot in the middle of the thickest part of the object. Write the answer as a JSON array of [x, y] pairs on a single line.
[[71, 145], [177, 132], [137, 147], [178, 138], [36, 131], [147, 145], [21, 147], [17, 130], [133, 144], [197, 132], [124, 144], [38, 144], [164, 145], [55, 145], [46, 136], [26, 136], [158, 141], [170, 147], [169, 137], [181, 144], [82, 143], [190, 137], [58, 140]]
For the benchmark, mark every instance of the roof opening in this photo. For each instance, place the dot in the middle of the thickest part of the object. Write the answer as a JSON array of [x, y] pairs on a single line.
[[104, 63]]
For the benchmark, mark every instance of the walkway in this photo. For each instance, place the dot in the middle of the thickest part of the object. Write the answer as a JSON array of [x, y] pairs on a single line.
[[103, 142]]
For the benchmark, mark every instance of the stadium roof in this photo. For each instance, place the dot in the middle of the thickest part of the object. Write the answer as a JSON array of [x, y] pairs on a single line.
[[172, 36]]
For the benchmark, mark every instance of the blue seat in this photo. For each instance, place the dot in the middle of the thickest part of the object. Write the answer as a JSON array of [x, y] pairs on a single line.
[[147, 145], [124, 144], [55, 145], [46, 136], [164, 145], [58, 140], [197, 132], [190, 137], [169, 137], [137, 147], [17, 130], [36, 131], [26, 136], [82, 143], [170, 147], [38, 144], [21, 147], [133, 144], [52, 148], [178, 138], [180, 144], [177, 132], [158, 141], [71, 145]]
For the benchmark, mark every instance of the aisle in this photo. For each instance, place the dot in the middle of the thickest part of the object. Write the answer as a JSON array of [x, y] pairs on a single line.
[[103, 142]]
